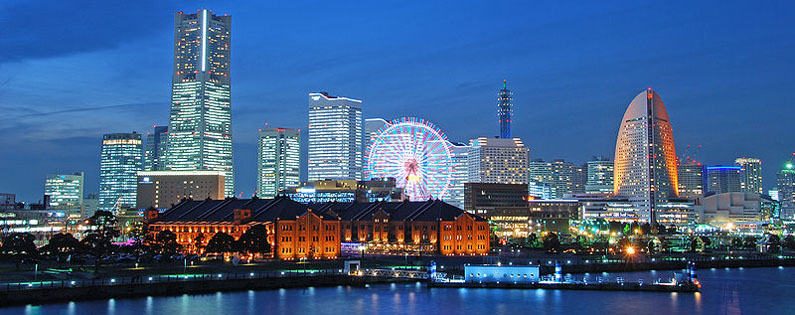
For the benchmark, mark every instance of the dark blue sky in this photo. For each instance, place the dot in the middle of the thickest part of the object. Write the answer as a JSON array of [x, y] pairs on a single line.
[[73, 70]]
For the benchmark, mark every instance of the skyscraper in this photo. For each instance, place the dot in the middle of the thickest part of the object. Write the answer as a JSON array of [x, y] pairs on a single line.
[[155, 152], [118, 170], [336, 137], [722, 179], [691, 179], [645, 159], [200, 123], [65, 192], [498, 161], [786, 191], [371, 128], [278, 161], [460, 155], [505, 110], [751, 177], [600, 176]]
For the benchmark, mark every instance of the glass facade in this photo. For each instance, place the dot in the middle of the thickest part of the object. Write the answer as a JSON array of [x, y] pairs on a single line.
[[65, 192], [200, 122], [460, 174], [600, 176], [645, 169], [336, 136], [155, 152], [723, 179], [691, 179], [278, 161], [118, 170]]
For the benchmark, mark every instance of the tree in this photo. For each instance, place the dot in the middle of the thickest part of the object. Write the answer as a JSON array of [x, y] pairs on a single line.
[[551, 242], [254, 241], [165, 243], [749, 242], [737, 242], [19, 246], [104, 223], [61, 246], [532, 240], [220, 243], [789, 242], [99, 246]]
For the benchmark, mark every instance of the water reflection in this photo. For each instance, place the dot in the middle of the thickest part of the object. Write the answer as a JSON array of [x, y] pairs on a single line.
[[753, 290]]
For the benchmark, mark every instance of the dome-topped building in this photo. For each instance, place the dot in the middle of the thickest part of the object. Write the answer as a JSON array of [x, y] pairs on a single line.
[[645, 158]]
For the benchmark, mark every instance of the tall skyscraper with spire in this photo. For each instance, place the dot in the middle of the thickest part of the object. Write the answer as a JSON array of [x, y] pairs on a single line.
[[505, 110], [200, 122], [645, 168]]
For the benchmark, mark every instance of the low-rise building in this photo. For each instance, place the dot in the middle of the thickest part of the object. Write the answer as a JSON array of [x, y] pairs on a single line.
[[735, 207], [297, 230], [321, 191]]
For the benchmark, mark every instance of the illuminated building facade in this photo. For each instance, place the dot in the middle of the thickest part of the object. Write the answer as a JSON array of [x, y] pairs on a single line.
[[155, 149], [163, 189], [200, 123], [118, 170], [599, 176], [505, 110], [65, 192], [297, 230], [751, 175], [460, 175], [321, 191], [498, 161], [722, 179], [691, 179], [785, 182], [645, 158], [278, 161], [431, 227], [336, 135], [734, 207]]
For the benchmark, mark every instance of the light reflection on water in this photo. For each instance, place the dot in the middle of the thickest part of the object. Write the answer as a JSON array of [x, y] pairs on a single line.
[[748, 290]]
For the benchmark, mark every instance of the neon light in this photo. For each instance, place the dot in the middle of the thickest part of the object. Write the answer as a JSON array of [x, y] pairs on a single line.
[[723, 167], [204, 39]]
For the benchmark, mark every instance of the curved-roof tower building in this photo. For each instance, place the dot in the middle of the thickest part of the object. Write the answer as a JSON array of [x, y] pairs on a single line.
[[645, 160]]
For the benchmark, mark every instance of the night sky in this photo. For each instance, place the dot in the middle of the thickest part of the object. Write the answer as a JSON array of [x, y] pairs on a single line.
[[73, 70]]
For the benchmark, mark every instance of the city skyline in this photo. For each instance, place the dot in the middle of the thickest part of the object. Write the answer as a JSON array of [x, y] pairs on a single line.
[[543, 117]]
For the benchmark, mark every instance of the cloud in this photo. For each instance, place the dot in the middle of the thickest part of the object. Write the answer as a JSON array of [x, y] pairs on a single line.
[[42, 29]]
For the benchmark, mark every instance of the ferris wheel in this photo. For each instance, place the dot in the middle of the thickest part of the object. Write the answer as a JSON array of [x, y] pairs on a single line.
[[416, 154]]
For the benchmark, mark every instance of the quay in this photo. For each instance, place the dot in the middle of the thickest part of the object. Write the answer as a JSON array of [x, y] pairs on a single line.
[[61, 291]]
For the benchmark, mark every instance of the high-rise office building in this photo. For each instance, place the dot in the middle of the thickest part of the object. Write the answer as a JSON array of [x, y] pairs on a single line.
[[600, 176], [371, 128], [498, 161], [460, 174], [645, 159], [721, 179], [786, 191], [540, 171], [691, 179], [278, 161], [65, 192], [505, 110], [751, 177], [567, 178], [118, 170], [336, 137], [200, 122], [155, 149]]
